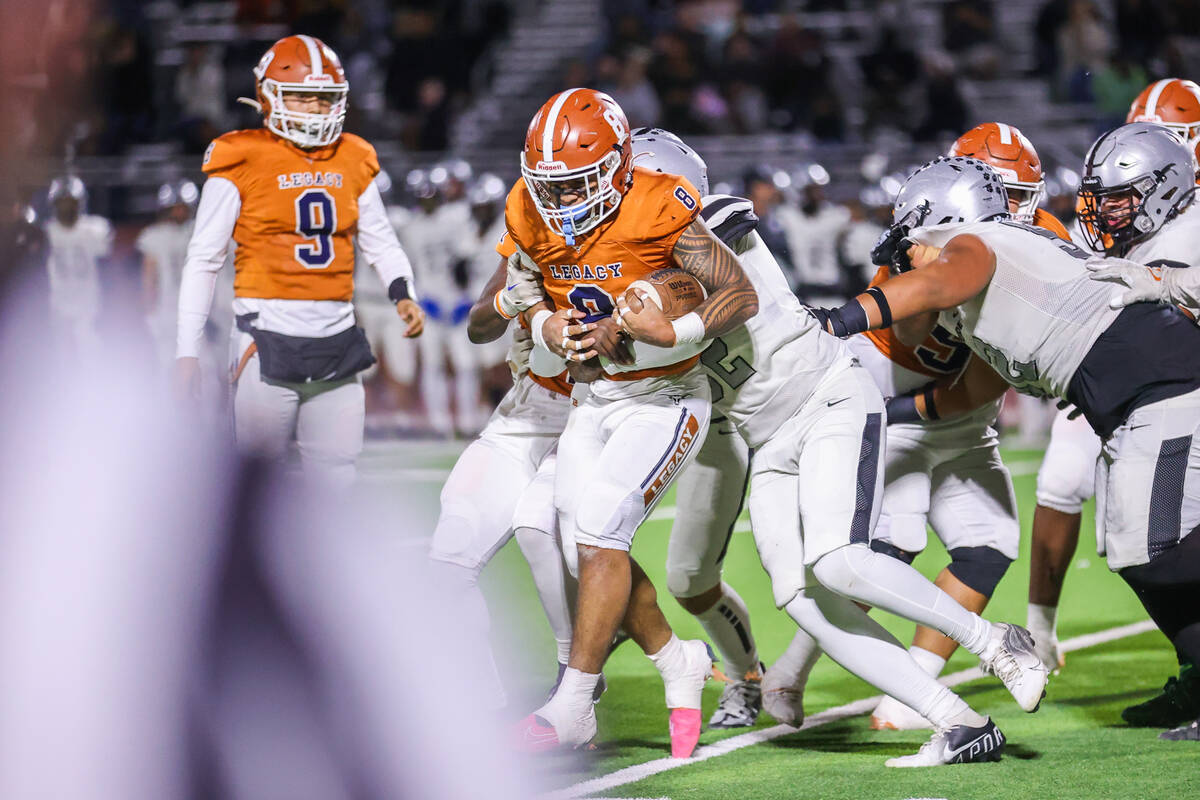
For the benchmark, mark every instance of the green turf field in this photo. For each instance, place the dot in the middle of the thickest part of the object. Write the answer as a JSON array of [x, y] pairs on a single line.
[[1075, 746]]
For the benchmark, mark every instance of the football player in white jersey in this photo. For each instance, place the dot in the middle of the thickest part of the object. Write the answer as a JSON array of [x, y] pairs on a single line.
[[804, 405], [710, 493], [1021, 298], [1067, 477], [813, 228], [943, 472], [430, 237], [78, 243], [163, 246]]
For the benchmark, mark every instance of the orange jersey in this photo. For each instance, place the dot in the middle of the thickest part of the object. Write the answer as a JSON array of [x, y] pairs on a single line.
[[634, 242], [941, 354], [299, 215]]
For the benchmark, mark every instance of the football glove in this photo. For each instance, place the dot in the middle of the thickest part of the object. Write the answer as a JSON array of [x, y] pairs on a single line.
[[1161, 284], [522, 288], [892, 246]]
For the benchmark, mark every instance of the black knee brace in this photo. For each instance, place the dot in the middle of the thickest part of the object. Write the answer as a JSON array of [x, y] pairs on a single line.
[[980, 568], [889, 549]]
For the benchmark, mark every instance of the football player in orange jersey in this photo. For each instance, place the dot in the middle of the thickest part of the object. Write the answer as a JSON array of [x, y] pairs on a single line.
[[943, 462], [296, 195], [591, 223]]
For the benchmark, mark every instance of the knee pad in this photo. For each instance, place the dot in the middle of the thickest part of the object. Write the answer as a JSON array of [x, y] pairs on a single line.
[[889, 549], [1064, 484], [980, 568]]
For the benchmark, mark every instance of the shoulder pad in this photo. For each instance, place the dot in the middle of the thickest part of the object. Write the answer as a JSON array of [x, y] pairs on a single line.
[[363, 151], [226, 152], [729, 217]]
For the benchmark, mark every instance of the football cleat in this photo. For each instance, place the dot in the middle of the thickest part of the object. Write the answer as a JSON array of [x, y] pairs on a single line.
[[892, 715], [549, 728], [1011, 658], [961, 744], [782, 699], [1184, 733], [1178, 702], [684, 726], [683, 694], [740, 703]]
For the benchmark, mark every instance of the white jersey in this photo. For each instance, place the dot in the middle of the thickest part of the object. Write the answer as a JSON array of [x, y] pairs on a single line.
[[165, 244], [763, 372], [1178, 240], [72, 264], [856, 246], [813, 244], [1038, 316], [477, 246], [431, 240]]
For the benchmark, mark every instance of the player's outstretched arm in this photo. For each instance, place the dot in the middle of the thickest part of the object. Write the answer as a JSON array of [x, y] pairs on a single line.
[[939, 280], [731, 297], [976, 386]]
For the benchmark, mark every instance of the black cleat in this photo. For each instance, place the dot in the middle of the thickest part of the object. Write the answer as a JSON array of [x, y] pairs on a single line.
[[961, 744], [1179, 702]]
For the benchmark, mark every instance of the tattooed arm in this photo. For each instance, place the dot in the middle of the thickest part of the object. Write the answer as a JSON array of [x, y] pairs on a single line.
[[731, 297]]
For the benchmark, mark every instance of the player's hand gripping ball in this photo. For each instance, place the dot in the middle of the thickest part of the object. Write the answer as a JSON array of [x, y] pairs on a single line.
[[646, 309]]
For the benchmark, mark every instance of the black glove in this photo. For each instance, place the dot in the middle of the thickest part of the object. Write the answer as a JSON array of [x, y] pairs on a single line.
[[885, 249], [1062, 405]]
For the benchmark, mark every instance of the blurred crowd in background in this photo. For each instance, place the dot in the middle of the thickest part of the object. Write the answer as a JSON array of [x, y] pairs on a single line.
[[814, 110]]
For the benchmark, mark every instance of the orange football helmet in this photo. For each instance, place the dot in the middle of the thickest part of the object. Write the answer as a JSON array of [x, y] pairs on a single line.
[[1012, 155], [302, 65], [1173, 103], [578, 147]]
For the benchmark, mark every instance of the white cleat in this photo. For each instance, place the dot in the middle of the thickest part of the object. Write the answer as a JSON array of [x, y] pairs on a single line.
[[958, 745], [892, 715], [782, 698], [739, 704], [1011, 657]]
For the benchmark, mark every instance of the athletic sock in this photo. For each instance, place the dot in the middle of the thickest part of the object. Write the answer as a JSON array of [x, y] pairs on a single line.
[[932, 663], [1042, 622], [792, 668], [889, 584], [671, 662], [727, 624], [860, 644], [549, 579]]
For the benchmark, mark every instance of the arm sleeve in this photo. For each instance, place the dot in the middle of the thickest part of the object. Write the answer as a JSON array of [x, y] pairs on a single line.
[[378, 243], [220, 204]]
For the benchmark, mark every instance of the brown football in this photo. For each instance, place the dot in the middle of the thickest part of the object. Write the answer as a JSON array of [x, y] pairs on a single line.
[[673, 290]]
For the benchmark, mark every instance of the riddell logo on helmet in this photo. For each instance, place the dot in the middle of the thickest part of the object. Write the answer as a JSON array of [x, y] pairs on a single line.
[[322, 78], [1147, 118], [551, 166]]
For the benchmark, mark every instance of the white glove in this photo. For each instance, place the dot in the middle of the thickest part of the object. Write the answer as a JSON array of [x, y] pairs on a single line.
[[1146, 284], [522, 288]]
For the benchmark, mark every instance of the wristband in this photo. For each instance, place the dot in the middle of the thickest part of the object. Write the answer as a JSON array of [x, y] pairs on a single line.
[[885, 310], [848, 319], [535, 327], [931, 412], [398, 290], [689, 329], [502, 305], [902, 410]]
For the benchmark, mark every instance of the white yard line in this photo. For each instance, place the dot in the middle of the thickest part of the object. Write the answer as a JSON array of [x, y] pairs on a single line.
[[639, 772]]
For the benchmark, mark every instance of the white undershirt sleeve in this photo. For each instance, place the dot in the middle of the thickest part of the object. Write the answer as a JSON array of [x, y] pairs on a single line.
[[378, 243], [220, 205]]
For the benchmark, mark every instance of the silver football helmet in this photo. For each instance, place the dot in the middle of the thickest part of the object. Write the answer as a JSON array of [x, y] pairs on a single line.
[[1136, 178], [68, 186], [663, 151], [177, 193], [950, 189]]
